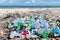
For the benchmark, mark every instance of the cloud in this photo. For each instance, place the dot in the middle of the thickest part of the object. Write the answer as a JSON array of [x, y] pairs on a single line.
[[33, 1]]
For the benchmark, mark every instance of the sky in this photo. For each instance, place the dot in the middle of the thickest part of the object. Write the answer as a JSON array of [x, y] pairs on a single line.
[[29, 2]]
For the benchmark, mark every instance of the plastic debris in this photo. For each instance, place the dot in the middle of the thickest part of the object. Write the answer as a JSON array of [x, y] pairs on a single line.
[[33, 27]]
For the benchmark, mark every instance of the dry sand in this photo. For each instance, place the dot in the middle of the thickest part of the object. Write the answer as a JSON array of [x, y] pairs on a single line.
[[27, 11]]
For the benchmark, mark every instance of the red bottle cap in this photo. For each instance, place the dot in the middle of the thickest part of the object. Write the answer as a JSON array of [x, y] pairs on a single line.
[[23, 28], [27, 23], [25, 33]]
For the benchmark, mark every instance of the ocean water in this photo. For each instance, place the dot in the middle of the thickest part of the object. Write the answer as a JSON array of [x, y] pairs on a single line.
[[29, 6]]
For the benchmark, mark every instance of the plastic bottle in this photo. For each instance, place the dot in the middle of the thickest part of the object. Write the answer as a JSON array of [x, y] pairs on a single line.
[[18, 29], [28, 36], [41, 17], [10, 26], [14, 28], [36, 24], [15, 21], [19, 24], [25, 33], [44, 34], [22, 37], [30, 26], [13, 34], [58, 24], [44, 24]]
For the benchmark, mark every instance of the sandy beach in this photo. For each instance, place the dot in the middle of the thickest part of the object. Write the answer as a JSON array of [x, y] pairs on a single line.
[[9, 14], [27, 11], [52, 12]]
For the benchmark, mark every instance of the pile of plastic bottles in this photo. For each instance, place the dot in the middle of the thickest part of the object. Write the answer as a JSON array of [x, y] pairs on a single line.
[[34, 26]]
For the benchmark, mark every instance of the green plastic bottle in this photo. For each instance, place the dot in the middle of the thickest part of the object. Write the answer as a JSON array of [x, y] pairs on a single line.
[[44, 34], [18, 29], [30, 26], [20, 24]]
